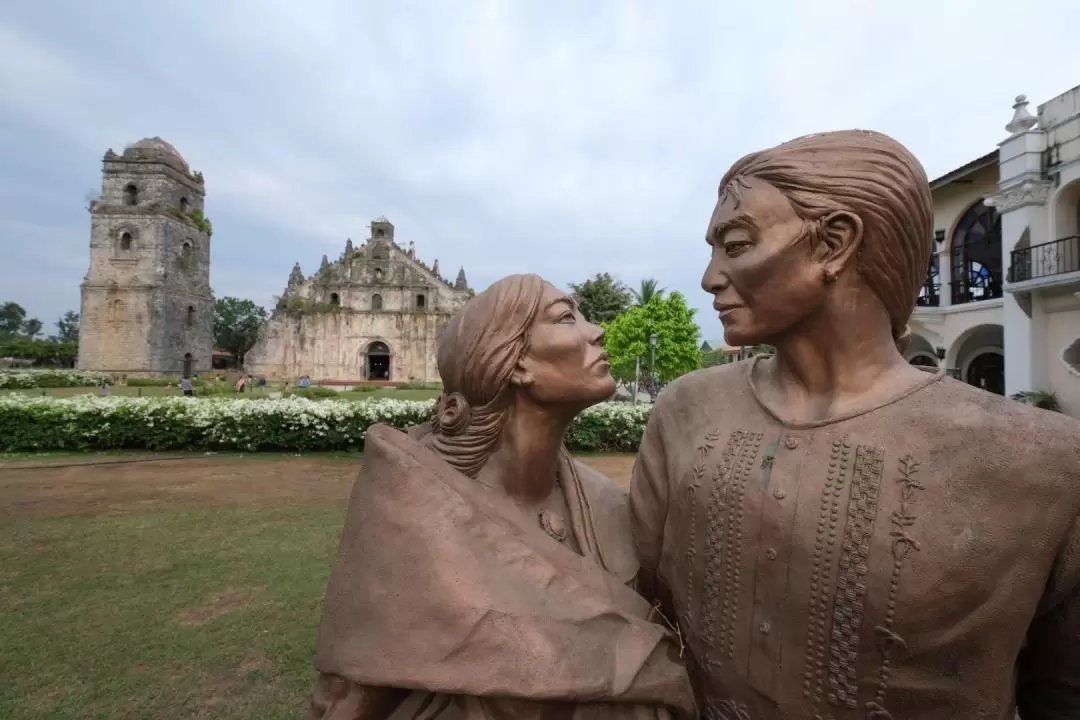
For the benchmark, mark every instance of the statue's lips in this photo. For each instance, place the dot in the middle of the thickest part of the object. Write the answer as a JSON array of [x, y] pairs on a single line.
[[723, 310], [602, 360]]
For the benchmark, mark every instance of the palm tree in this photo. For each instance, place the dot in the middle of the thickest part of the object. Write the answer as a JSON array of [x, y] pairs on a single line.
[[647, 291]]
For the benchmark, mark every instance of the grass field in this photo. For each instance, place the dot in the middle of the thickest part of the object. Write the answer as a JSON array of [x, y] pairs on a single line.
[[136, 586]]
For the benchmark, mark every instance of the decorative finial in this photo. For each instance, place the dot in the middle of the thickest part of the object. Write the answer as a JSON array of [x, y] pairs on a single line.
[[348, 246], [1022, 120], [297, 275], [461, 283]]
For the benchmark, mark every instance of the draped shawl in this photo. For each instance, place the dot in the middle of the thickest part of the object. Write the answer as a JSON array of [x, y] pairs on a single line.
[[443, 585]]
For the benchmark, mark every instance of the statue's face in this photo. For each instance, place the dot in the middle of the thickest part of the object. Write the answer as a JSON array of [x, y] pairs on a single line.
[[565, 363], [761, 274]]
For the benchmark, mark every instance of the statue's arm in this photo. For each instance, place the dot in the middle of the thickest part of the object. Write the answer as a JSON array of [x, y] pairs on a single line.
[[337, 698], [1048, 686], [649, 491]]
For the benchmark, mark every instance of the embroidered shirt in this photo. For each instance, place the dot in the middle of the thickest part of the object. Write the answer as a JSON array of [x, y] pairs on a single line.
[[918, 560]]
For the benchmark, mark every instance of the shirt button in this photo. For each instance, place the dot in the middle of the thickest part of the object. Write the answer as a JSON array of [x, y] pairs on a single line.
[[770, 554], [779, 494], [791, 442], [764, 628]]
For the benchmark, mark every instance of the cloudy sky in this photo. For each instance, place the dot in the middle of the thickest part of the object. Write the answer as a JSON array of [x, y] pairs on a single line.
[[563, 137]]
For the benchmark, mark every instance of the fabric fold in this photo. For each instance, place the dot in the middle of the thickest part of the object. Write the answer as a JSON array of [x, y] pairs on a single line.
[[443, 585]]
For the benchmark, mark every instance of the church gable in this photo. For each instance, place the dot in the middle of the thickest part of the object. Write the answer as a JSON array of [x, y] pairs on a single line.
[[378, 267]]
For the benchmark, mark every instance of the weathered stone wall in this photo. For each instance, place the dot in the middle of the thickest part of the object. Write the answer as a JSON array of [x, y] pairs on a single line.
[[147, 268], [334, 345], [378, 292]]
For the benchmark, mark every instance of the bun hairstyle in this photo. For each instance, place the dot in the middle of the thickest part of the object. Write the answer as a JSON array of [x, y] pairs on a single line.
[[477, 355], [873, 176]]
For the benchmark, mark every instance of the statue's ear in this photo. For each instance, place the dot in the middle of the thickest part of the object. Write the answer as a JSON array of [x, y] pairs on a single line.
[[521, 377], [840, 240]]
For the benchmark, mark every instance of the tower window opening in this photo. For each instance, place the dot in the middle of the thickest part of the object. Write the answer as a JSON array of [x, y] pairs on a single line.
[[131, 194], [125, 241]]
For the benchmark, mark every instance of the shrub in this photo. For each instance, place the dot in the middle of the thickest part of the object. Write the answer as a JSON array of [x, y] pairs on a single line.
[[315, 393], [21, 379], [89, 422]]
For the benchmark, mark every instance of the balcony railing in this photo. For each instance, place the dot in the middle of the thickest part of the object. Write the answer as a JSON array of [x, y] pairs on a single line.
[[929, 295], [965, 293], [1046, 260]]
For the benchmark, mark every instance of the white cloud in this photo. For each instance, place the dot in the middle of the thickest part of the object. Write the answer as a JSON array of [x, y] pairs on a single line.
[[556, 136]]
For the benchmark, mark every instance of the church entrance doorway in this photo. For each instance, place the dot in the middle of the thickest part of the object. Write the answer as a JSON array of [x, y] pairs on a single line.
[[378, 362], [187, 365]]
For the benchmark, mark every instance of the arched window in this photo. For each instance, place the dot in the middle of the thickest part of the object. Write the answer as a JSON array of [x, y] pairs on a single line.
[[976, 255], [185, 253], [380, 233], [378, 274], [116, 310], [376, 302], [335, 299], [930, 292], [125, 241], [421, 301], [183, 204], [131, 194], [191, 316]]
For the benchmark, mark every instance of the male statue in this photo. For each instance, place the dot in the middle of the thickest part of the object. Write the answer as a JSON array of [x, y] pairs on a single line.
[[840, 534]]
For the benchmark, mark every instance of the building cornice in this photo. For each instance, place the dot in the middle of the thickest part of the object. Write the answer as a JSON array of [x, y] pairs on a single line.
[[1020, 195]]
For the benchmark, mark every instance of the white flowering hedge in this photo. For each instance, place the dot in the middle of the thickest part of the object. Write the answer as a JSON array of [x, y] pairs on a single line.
[[88, 422], [18, 379]]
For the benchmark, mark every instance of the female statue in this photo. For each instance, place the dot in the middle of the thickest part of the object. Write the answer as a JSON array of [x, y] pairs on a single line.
[[483, 572], [841, 534]]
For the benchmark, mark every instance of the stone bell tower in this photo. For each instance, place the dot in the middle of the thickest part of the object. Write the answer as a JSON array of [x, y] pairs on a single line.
[[147, 308]]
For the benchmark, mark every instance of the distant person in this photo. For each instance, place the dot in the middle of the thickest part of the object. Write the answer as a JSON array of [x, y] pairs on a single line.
[[104, 390], [262, 384], [185, 386], [240, 384], [305, 382]]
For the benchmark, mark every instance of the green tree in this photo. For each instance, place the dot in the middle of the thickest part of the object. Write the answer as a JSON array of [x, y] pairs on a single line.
[[601, 298], [12, 316], [236, 325], [40, 351], [31, 328], [648, 289], [678, 347], [67, 327]]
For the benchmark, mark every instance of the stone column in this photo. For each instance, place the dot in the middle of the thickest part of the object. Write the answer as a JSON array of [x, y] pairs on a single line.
[[1021, 203]]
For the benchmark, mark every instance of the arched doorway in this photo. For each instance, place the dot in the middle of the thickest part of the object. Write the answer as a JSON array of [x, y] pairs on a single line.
[[987, 371], [976, 255], [187, 365], [377, 361], [923, 360]]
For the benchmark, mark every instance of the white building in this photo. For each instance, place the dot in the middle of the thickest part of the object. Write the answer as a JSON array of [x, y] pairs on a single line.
[[1001, 304]]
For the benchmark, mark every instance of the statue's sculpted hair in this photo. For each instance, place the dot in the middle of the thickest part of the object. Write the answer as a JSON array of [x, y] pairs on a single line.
[[478, 352], [870, 175]]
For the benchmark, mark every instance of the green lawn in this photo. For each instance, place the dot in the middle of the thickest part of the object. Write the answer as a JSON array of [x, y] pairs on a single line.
[[193, 613]]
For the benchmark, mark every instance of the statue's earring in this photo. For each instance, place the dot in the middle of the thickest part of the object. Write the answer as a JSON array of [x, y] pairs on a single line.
[[830, 275]]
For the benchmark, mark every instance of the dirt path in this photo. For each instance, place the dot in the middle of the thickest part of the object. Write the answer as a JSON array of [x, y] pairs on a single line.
[[108, 485]]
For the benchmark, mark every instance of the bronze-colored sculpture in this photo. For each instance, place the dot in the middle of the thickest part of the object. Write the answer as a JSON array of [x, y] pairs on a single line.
[[838, 533], [483, 571]]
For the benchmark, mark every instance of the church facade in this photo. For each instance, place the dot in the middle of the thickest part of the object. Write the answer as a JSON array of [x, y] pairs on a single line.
[[374, 314]]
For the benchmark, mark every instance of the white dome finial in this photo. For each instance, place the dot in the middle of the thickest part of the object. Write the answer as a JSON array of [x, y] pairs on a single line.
[[1022, 120]]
